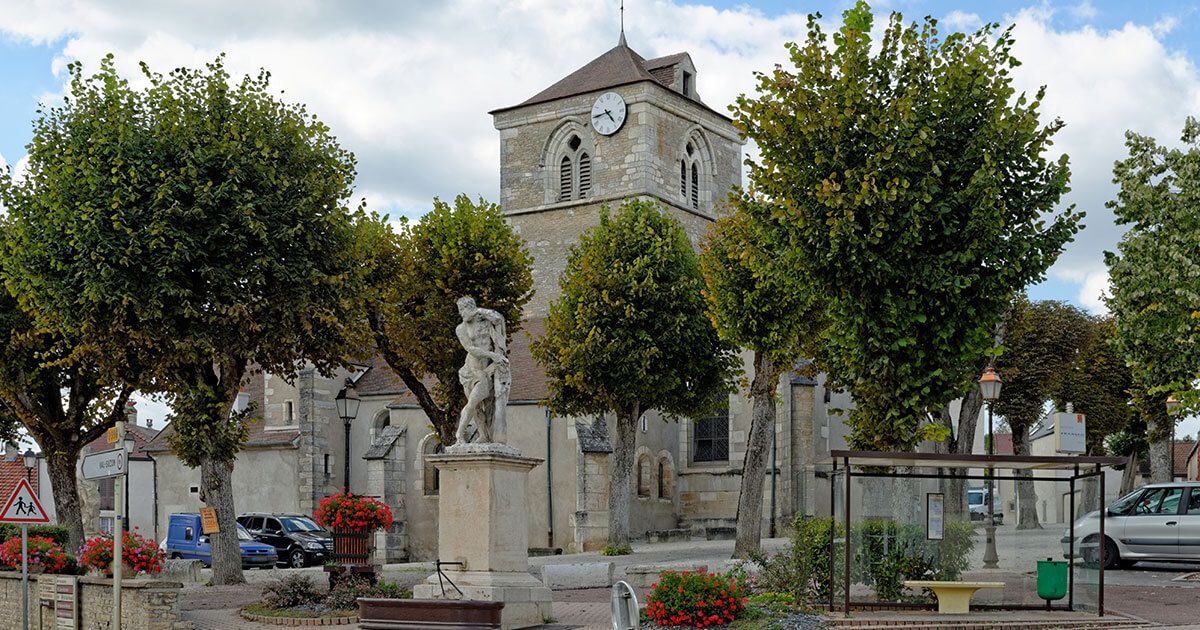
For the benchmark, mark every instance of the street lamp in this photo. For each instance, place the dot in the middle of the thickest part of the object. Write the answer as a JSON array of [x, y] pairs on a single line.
[[30, 462], [989, 387], [347, 407]]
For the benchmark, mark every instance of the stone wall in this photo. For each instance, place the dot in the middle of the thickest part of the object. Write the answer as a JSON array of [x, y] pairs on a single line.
[[145, 605]]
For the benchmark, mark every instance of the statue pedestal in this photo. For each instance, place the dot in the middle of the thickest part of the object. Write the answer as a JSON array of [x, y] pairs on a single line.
[[483, 522]]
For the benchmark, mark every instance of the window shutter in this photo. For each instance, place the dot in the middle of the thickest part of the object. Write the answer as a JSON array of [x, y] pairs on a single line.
[[564, 179], [585, 175], [695, 187], [683, 179]]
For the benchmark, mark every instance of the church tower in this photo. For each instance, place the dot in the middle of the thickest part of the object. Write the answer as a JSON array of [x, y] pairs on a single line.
[[621, 127]]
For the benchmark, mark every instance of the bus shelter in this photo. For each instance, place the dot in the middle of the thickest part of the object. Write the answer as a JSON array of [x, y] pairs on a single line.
[[895, 516]]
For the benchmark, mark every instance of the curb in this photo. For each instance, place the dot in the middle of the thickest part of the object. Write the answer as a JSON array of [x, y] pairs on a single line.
[[299, 621]]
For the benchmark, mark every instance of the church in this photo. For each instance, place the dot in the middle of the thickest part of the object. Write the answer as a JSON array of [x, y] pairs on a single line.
[[620, 127]]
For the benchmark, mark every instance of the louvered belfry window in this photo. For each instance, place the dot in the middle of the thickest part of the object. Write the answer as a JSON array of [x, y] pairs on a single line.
[[683, 178], [695, 188], [585, 175], [564, 179]]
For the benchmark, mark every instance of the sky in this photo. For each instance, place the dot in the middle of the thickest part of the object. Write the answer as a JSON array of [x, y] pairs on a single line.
[[406, 85]]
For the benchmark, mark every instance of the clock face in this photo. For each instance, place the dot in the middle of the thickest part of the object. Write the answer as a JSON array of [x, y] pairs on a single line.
[[608, 114]]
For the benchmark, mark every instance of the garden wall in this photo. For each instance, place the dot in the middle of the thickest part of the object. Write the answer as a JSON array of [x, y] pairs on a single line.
[[146, 604]]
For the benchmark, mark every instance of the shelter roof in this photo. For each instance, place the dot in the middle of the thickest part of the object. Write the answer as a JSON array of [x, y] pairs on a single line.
[[955, 460]]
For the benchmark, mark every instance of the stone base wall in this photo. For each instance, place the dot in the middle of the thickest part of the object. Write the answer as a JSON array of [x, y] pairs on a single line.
[[145, 604]]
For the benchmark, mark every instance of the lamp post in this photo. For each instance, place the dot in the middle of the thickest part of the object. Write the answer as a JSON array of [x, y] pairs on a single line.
[[989, 387], [347, 408], [1173, 405], [30, 462]]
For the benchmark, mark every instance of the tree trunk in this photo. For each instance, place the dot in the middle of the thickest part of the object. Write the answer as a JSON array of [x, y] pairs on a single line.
[[754, 467], [1160, 458], [962, 442], [1027, 517], [61, 468], [620, 476], [216, 486]]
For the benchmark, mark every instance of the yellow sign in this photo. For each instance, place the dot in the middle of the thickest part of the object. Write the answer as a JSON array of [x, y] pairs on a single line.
[[113, 435], [208, 521]]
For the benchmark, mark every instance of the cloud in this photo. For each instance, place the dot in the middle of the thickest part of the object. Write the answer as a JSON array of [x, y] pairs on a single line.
[[1083, 11], [962, 21]]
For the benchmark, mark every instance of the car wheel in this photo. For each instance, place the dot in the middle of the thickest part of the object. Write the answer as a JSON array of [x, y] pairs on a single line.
[[1112, 557], [296, 559], [176, 556]]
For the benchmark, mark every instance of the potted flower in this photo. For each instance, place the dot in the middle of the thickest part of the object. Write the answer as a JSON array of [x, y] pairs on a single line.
[[45, 556], [140, 554], [352, 518]]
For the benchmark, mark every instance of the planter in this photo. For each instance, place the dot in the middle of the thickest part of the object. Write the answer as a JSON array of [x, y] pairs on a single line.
[[368, 572], [298, 621], [351, 547], [426, 614]]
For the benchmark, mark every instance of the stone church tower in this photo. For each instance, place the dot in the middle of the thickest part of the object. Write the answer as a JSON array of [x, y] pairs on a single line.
[[557, 168]]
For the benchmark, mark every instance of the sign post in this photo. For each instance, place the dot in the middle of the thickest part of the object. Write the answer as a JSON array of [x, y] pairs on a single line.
[[23, 507], [102, 465]]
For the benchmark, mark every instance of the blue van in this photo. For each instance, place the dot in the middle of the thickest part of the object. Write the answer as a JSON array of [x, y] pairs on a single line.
[[185, 541]]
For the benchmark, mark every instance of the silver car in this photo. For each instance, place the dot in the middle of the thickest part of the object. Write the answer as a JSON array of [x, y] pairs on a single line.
[[1159, 522]]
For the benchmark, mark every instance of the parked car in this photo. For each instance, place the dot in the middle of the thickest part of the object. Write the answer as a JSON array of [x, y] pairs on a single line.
[[185, 540], [977, 506], [297, 539], [1159, 522]]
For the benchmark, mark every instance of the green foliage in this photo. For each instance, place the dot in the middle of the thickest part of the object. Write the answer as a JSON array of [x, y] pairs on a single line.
[[1155, 272], [1098, 383], [392, 590], [802, 570], [910, 182], [58, 533], [345, 593], [629, 331], [416, 276], [616, 550], [887, 553], [291, 590], [695, 599]]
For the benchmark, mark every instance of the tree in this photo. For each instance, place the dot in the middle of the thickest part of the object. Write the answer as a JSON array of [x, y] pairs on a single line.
[[1098, 383], [196, 230], [63, 405], [911, 185], [417, 275], [629, 334], [1154, 288], [1042, 342], [761, 306]]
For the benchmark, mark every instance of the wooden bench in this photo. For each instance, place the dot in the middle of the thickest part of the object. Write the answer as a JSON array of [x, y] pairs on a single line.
[[954, 598]]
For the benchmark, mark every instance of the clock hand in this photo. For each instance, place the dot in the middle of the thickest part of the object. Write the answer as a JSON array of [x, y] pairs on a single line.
[[610, 116], [599, 115]]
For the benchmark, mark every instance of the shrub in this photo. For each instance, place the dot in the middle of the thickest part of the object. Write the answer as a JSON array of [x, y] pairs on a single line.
[[293, 590], [887, 553], [140, 554], [695, 599], [354, 513], [344, 595], [392, 590], [803, 569], [616, 550], [57, 533], [45, 555]]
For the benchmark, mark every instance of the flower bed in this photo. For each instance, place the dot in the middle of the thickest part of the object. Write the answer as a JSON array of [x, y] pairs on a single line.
[[695, 599], [45, 556], [353, 513], [140, 554]]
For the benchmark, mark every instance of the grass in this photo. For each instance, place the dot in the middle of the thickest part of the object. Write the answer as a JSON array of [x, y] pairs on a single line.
[[616, 550], [260, 608]]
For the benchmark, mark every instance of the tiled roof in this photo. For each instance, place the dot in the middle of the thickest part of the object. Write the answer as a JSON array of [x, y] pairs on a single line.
[[529, 379], [11, 472], [1004, 444], [142, 436], [259, 437], [664, 62], [1182, 451]]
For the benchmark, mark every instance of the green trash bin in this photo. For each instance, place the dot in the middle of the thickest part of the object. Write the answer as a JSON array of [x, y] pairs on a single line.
[[1051, 579]]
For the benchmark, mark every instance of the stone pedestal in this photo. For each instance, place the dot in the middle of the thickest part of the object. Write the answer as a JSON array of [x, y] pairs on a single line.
[[483, 522]]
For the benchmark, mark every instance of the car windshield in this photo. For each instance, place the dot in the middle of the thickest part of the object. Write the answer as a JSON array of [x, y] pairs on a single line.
[[293, 524], [975, 498], [1123, 505], [243, 534]]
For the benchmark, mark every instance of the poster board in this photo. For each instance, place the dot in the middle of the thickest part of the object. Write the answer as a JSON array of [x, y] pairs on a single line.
[[935, 516], [1070, 433], [208, 521]]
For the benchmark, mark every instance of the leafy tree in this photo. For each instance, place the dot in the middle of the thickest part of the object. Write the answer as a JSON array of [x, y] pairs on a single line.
[[416, 276], [910, 182], [1098, 383], [1155, 278], [63, 404], [1042, 342], [629, 334], [761, 306], [194, 229]]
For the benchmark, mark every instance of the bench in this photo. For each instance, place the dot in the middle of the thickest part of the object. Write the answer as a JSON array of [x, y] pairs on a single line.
[[954, 598]]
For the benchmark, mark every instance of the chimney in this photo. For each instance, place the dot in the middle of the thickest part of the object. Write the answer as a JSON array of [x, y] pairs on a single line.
[[131, 412], [11, 452]]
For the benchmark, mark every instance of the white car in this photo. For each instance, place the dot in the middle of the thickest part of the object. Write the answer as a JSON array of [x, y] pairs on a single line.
[[1159, 522]]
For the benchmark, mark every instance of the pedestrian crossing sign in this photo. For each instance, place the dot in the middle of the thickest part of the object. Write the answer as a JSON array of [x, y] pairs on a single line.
[[23, 506]]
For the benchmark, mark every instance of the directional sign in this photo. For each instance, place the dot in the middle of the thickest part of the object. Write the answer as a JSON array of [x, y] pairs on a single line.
[[104, 464], [23, 506]]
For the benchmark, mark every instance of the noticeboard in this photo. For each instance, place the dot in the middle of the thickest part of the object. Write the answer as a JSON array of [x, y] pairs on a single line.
[[1070, 433], [61, 594], [935, 516], [208, 521]]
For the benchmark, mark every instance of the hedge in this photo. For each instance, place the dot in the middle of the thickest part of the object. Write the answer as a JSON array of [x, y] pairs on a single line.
[[57, 533]]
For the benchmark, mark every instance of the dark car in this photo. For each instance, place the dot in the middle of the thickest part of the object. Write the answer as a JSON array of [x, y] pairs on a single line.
[[297, 539], [185, 540]]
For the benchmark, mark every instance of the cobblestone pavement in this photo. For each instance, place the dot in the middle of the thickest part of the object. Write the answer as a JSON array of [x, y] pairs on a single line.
[[224, 619]]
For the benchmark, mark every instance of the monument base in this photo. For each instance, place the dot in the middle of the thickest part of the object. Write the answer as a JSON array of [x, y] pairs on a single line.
[[527, 602]]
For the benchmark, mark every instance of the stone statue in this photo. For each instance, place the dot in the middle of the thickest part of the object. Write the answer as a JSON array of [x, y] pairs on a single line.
[[485, 376]]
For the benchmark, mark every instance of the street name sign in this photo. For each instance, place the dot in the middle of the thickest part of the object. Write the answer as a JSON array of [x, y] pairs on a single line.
[[104, 464], [23, 506]]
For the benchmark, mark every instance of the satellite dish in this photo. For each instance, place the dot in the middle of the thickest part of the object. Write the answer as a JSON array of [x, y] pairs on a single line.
[[624, 607]]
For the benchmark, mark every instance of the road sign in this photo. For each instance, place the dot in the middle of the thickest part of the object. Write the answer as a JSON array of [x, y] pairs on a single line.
[[23, 506], [1070, 432], [208, 521], [112, 435], [104, 464]]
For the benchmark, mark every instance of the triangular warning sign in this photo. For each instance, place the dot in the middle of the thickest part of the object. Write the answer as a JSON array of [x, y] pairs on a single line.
[[23, 506]]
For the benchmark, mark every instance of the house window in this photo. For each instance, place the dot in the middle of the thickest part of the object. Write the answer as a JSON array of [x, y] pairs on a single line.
[[710, 437], [107, 488], [643, 476], [664, 478], [289, 413], [328, 459], [687, 83], [432, 481], [106, 525]]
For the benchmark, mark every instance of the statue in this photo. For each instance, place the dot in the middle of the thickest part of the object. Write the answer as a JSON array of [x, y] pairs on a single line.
[[485, 376]]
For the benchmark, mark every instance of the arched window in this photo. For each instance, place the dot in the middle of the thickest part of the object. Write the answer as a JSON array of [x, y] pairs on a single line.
[[585, 175], [564, 179], [643, 476], [695, 187], [429, 473], [665, 490], [692, 165], [683, 180]]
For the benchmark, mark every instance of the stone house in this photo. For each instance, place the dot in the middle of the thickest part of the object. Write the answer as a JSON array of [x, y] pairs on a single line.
[[557, 172]]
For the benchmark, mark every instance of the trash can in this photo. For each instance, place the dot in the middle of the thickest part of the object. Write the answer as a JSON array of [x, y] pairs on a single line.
[[1051, 579]]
